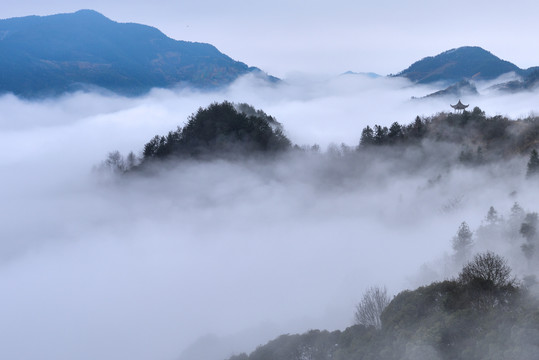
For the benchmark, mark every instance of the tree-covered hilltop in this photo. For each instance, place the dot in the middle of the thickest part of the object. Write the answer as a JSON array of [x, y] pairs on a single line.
[[219, 130], [481, 138], [483, 314]]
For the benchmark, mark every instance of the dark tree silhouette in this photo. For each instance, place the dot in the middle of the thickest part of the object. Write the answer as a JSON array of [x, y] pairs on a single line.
[[487, 268], [395, 132], [218, 130], [367, 137], [380, 134]]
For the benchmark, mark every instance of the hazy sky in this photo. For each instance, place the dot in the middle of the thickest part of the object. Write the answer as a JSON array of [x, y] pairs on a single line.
[[283, 37]]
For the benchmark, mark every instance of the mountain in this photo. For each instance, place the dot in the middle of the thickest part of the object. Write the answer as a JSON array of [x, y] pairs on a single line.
[[370, 75], [469, 62], [528, 83], [461, 89], [50, 55]]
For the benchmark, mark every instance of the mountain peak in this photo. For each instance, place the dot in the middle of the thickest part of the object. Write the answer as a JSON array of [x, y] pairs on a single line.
[[49, 55], [86, 13], [467, 62], [466, 49]]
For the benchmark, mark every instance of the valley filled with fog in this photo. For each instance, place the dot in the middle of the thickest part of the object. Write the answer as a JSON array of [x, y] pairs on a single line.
[[227, 253]]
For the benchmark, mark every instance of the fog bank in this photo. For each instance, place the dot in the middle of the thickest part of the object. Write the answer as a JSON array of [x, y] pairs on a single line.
[[141, 267]]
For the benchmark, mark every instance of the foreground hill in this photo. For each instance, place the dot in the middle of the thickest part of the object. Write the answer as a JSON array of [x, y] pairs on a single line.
[[468, 62], [51, 55], [483, 314]]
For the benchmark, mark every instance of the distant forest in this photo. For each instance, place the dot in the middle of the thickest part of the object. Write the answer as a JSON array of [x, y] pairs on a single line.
[[482, 138], [235, 131]]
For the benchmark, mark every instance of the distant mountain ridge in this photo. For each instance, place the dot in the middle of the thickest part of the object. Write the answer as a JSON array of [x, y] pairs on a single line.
[[528, 83], [458, 90], [50, 55], [464, 63]]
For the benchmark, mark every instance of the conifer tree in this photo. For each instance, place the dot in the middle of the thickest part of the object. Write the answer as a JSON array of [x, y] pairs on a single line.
[[395, 132], [462, 242], [492, 215], [367, 137]]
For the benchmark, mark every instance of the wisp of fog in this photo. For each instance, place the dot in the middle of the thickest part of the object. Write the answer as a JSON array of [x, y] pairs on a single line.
[[220, 252]]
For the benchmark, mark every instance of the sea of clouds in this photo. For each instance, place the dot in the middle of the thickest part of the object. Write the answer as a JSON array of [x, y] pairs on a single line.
[[203, 260]]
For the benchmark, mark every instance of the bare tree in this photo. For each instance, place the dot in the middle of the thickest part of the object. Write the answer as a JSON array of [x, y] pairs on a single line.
[[488, 281], [487, 267], [115, 163], [369, 309]]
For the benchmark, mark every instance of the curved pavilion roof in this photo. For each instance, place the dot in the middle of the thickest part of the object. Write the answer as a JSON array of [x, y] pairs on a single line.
[[459, 106]]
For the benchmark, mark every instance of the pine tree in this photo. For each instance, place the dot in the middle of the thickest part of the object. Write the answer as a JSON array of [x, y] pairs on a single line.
[[367, 137], [516, 211], [462, 242], [492, 216], [395, 132], [380, 134]]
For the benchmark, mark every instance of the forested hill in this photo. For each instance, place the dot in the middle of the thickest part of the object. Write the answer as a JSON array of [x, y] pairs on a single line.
[[480, 137], [222, 130], [483, 314], [49, 55]]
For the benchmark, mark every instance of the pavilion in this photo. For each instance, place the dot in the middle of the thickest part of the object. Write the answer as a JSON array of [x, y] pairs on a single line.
[[459, 106]]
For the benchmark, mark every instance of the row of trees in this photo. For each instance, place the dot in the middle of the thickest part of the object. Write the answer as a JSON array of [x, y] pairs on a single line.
[[395, 134], [434, 127], [491, 138]]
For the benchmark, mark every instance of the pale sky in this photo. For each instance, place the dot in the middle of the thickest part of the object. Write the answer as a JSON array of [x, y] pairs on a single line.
[[286, 37]]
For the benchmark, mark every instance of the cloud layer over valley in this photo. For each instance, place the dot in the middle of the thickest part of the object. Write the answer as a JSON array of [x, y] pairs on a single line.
[[140, 267]]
